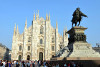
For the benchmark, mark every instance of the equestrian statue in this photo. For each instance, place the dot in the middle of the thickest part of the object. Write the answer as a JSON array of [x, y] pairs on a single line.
[[77, 16]]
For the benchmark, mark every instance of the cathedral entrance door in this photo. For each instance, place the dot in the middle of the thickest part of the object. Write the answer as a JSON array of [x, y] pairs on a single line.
[[28, 57], [40, 56], [19, 58]]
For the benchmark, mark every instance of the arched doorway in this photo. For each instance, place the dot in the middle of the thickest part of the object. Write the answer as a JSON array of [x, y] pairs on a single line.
[[19, 57], [41, 56], [28, 57]]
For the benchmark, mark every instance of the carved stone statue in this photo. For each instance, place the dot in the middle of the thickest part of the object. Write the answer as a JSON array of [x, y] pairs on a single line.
[[77, 16]]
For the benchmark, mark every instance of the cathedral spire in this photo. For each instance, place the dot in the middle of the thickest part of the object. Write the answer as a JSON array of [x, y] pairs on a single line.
[[56, 25], [34, 16], [37, 15], [46, 17], [15, 30], [26, 23], [66, 29], [49, 16], [63, 33]]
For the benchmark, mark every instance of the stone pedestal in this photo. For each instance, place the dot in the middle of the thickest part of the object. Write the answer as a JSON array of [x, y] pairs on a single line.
[[77, 34], [78, 45]]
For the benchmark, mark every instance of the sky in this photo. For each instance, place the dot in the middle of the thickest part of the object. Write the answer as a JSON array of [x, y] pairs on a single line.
[[16, 11]]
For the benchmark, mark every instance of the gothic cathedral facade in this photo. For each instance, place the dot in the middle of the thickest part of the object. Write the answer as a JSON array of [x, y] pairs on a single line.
[[38, 42]]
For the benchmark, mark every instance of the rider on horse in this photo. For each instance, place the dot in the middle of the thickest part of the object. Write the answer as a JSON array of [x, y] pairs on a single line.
[[77, 16]]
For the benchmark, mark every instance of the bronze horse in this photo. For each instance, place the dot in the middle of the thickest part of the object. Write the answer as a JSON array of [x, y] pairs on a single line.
[[77, 16]]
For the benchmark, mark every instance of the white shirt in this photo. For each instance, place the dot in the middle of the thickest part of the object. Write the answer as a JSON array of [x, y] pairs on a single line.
[[3, 64]]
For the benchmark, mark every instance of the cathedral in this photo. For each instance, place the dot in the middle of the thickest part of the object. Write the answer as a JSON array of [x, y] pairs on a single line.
[[40, 41]]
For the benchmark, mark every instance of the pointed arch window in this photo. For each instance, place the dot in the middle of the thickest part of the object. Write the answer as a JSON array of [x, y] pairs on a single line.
[[53, 48], [28, 48], [53, 40], [41, 41], [20, 48], [29, 39], [41, 30]]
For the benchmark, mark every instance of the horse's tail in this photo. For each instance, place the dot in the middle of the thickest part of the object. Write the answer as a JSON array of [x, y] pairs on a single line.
[[72, 20]]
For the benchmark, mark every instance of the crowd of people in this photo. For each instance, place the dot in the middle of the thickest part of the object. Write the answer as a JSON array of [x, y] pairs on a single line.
[[36, 64]]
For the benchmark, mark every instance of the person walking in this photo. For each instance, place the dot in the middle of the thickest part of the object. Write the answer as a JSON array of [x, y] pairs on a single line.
[[1, 64], [33, 64], [17, 64], [65, 65], [28, 64], [23, 64], [57, 65], [6, 64]]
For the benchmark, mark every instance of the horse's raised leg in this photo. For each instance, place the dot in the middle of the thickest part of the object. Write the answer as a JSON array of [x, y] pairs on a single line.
[[75, 23], [79, 23], [72, 24]]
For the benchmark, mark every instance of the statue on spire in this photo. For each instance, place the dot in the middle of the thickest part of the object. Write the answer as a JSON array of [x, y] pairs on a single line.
[[46, 17], [25, 24], [34, 16], [49, 16]]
